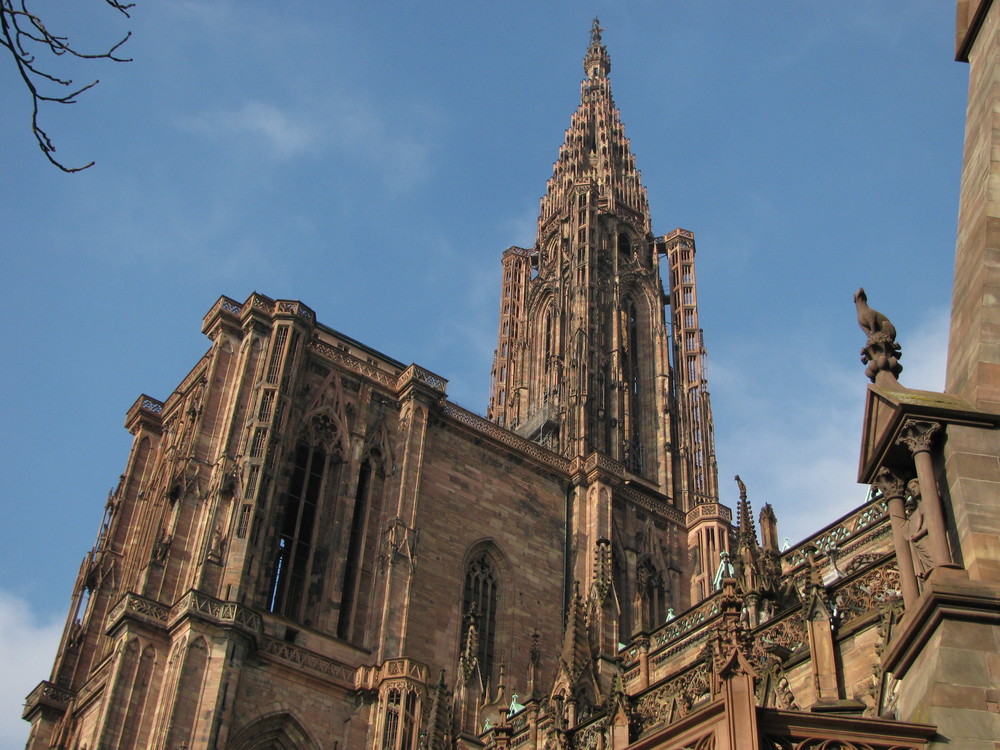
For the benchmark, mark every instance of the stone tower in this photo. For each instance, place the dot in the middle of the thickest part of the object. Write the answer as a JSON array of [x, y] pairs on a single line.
[[585, 361], [310, 546]]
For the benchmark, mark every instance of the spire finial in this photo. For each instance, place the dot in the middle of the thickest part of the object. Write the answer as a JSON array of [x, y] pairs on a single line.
[[743, 487], [595, 31], [596, 63]]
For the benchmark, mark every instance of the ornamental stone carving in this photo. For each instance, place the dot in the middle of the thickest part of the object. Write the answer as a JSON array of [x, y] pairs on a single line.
[[881, 352]]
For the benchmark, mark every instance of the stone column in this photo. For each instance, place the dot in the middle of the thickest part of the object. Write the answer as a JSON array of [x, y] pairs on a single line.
[[917, 436], [893, 487], [643, 645], [753, 609]]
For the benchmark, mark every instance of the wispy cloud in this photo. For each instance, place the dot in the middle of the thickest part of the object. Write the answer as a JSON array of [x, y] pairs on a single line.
[[925, 352], [796, 443], [283, 133], [397, 149], [27, 647]]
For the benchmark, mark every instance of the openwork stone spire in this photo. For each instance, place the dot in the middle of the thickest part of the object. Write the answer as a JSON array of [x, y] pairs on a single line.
[[584, 353], [595, 148]]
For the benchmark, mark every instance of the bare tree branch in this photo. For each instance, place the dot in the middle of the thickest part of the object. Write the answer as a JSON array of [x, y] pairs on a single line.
[[25, 36]]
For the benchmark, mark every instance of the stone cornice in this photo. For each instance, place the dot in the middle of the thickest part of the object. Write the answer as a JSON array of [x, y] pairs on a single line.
[[340, 673], [947, 596], [196, 605], [145, 413], [47, 695], [534, 451], [138, 609]]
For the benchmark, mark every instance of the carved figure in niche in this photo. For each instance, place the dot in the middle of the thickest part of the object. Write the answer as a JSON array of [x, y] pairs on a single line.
[[881, 352], [161, 546], [218, 540], [915, 531], [194, 405], [784, 698]]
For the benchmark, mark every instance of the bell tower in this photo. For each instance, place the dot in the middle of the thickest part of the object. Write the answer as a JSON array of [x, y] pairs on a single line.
[[584, 354]]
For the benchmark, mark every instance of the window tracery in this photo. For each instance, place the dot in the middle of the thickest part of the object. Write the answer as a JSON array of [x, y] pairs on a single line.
[[481, 603]]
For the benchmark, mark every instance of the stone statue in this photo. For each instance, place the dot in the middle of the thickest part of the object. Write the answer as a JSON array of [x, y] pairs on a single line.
[[915, 531], [743, 487], [872, 321], [881, 352], [162, 546]]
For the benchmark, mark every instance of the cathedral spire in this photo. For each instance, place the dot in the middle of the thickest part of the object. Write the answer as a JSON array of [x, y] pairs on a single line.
[[595, 153], [583, 361]]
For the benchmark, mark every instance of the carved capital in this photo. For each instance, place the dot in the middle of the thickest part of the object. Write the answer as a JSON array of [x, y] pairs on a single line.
[[890, 483], [917, 435]]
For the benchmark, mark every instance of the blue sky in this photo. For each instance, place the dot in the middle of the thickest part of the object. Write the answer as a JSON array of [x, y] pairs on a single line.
[[374, 159]]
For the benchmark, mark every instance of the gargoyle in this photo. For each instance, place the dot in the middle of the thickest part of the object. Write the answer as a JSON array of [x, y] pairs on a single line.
[[872, 321]]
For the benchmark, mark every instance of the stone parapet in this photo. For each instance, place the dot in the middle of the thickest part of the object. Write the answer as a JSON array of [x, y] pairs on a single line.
[[47, 695]]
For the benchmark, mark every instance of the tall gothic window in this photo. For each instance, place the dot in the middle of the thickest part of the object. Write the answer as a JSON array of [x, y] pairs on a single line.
[[624, 246], [649, 585], [633, 457], [482, 596], [362, 549], [400, 718], [295, 538]]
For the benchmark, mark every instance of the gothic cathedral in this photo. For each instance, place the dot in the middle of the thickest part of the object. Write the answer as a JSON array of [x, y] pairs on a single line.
[[312, 547]]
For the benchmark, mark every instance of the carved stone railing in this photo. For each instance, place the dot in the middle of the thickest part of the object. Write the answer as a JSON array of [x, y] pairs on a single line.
[[855, 524], [294, 307], [867, 592], [341, 673], [522, 738], [787, 632], [147, 411], [803, 729], [674, 698], [47, 695], [650, 503], [226, 305], [209, 609], [352, 363], [591, 735], [151, 404], [686, 622], [369, 677], [420, 375], [506, 437], [138, 608], [604, 463], [709, 510]]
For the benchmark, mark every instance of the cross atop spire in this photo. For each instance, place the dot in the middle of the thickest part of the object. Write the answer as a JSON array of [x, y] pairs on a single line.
[[596, 63], [595, 32]]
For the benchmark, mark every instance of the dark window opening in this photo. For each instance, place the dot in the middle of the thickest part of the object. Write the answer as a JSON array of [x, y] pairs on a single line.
[[295, 538], [361, 549], [482, 594]]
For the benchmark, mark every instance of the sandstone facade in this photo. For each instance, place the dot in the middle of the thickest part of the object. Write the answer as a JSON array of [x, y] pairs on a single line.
[[312, 547]]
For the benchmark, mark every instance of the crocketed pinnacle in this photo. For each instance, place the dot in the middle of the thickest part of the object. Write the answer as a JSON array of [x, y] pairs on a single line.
[[596, 154], [746, 532]]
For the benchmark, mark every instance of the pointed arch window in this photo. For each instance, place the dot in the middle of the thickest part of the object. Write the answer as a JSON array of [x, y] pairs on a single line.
[[624, 245], [295, 536], [362, 548], [481, 599], [649, 588], [548, 340], [400, 709], [633, 434]]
